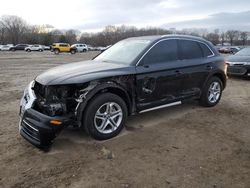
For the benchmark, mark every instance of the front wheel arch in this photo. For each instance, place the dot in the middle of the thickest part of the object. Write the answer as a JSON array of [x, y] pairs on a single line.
[[90, 124], [104, 88], [56, 50]]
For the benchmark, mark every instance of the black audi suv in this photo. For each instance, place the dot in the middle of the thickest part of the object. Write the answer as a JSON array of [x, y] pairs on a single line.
[[133, 76]]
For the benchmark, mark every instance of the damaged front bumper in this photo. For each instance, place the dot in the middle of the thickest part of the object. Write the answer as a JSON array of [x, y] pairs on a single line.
[[36, 127]]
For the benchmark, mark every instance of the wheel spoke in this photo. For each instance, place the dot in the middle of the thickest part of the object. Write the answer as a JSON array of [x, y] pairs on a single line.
[[215, 85], [116, 113], [108, 117], [100, 115], [104, 125], [108, 105], [214, 92], [112, 123], [210, 97], [214, 98], [217, 92]]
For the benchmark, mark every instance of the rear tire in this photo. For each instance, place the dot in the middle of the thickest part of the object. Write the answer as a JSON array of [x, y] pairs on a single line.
[[211, 93], [105, 116], [72, 51]]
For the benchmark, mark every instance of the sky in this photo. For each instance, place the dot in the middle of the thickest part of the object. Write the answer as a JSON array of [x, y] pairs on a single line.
[[94, 15]]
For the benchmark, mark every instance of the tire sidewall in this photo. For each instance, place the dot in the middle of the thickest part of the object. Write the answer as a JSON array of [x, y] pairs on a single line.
[[90, 112]]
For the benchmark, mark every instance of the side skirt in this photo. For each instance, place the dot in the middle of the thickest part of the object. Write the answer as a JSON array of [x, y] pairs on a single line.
[[162, 106]]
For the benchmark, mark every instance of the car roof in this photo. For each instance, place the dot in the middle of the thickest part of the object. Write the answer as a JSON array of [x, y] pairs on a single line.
[[60, 43], [159, 37]]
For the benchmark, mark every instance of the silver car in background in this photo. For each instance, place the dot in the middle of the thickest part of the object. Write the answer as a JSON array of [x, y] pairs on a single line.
[[80, 47]]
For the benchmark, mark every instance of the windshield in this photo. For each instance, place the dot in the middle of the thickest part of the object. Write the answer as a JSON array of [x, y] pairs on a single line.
[[124, 51], [244, 52]]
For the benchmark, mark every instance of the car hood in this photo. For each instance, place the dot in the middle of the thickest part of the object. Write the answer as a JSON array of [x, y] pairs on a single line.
[[238, 58], [81, 72]]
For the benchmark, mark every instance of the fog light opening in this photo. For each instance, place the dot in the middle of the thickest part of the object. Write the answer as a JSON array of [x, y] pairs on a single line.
[[56, 122]]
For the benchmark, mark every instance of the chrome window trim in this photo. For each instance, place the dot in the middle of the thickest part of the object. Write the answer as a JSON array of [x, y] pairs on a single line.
[[138, 62]]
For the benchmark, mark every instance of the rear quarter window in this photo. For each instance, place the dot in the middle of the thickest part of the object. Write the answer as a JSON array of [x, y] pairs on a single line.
[[190, 49], [206, 51]]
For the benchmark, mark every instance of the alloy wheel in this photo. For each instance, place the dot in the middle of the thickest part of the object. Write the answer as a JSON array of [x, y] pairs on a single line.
[[108, 117], [214, 92]]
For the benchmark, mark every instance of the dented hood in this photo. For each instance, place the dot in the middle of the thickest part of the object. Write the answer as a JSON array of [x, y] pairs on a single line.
[[80, 72]]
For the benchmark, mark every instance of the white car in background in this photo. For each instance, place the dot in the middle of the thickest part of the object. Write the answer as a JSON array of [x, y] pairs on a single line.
[[80, 47], [35, 47], [5, 47]]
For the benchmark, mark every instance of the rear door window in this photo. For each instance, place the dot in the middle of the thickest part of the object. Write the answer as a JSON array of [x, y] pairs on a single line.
[[190, 49]]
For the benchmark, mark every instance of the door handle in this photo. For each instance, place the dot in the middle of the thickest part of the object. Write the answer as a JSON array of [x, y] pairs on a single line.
[[149, 85], [178, 72], [209, 67]]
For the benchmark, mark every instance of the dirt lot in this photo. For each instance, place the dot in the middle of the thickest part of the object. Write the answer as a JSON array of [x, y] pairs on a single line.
[[182, 146]]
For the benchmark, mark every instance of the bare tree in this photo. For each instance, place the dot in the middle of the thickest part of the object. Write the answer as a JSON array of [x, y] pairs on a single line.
[[70, 36], [15, 27], [232, 35], [32, 36], [213, 37], [222, 38], [2, 34], [244, 37]]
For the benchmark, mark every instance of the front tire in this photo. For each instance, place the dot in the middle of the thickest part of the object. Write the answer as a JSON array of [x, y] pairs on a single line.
[[211, 93], [105, 116], [56, 51]]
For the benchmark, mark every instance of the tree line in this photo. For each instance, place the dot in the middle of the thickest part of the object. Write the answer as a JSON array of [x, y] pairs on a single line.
[[15, 30]]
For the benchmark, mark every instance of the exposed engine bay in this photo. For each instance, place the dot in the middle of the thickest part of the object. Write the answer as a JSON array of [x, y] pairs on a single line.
[[57, 100]]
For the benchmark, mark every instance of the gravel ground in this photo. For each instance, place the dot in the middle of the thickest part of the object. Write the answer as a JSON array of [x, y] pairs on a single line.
[[182, 146]]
